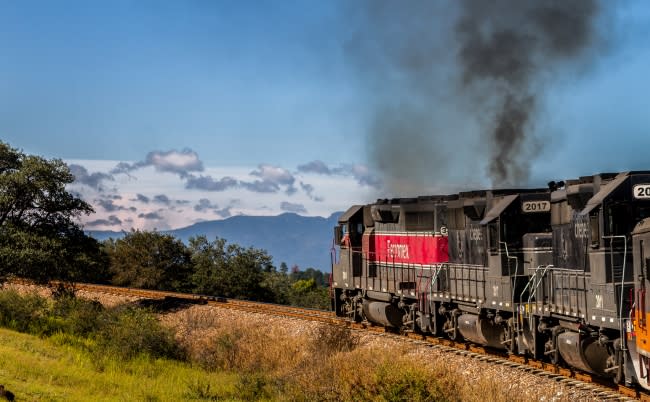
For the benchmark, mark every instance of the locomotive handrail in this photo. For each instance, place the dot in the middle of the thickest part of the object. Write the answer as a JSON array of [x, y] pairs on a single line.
[[512, 290], [620, 306], [508, 256], [533, 283]]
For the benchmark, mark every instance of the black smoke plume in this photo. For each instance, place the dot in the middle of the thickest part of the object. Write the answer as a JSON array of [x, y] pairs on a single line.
[[456, 86]]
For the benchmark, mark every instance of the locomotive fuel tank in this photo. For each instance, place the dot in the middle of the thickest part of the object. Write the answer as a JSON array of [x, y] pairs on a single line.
[[382, 313], [587, 354], [481, 330]]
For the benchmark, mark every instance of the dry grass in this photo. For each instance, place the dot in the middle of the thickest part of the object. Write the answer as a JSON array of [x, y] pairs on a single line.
[[243, 346], [293, 360]]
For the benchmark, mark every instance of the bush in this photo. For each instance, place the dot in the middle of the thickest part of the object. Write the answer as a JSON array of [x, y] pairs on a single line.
[[130, 332], [73, 316], [329, 340], [405, 382], [22, 313], [253, 387]]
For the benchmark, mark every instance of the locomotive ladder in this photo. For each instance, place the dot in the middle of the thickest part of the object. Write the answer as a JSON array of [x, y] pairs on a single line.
[[533, 284]]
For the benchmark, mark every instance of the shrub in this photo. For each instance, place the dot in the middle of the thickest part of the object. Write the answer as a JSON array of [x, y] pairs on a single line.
[[130, 332], [21, 313], [329, 340], [405, 382], [253, 387], [73, 316]]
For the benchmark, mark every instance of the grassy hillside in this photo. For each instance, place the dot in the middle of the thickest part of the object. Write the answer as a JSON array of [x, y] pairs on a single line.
[[52, 370]]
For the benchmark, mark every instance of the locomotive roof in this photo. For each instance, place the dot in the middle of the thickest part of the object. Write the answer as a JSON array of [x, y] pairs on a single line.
[[498, 208], [349, 213], [414, 200], [501, 191], [605, 190]]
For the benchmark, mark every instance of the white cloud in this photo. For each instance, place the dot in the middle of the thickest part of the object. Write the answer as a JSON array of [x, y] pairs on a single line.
[[335, 193]]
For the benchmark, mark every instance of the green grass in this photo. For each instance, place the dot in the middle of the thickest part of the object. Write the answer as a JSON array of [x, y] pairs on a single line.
[[57, 369]]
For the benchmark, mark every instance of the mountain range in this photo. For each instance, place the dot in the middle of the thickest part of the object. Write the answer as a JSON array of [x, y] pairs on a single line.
[[304, 241]]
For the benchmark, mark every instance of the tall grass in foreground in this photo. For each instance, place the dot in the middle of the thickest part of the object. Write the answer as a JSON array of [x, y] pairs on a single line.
[[51, 369], [90, 353]]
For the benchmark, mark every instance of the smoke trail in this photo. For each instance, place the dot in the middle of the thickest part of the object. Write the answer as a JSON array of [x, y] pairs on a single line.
[[505, 46], [456, 86]]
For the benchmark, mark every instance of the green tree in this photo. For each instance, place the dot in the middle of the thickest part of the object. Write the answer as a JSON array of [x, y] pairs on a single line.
[[39, 237], [229, 270], [277, 285], [310, 273], [149, 260], [306, 293]]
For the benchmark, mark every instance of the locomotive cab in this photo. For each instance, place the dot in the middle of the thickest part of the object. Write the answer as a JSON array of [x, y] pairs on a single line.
[[389, 259], [346, 266]]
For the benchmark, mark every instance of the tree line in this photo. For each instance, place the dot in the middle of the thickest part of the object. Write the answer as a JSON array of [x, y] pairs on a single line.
[[40, 239]]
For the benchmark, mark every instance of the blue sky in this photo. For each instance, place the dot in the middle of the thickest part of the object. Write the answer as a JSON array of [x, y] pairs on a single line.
[[112, 80], [216, 108]]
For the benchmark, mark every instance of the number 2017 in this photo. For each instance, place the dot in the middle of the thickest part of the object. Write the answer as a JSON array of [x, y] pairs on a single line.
[[536, 206]]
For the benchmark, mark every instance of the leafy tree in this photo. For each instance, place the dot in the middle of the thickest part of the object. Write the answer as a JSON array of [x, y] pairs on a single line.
[[39, 237], [209, 261], [229, 270], [306, 293], [310, 273], [149, 260], [278, 286]]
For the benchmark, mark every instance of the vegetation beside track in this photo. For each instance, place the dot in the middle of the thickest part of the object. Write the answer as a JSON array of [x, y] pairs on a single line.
[[70, 357]]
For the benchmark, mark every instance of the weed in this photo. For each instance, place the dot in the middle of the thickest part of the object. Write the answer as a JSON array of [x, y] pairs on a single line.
[[329, 340], [201, 390], [253, 387]]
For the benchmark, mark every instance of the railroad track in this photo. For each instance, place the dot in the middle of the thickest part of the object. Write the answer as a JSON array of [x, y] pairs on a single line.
[[601, 390], [236, 304]]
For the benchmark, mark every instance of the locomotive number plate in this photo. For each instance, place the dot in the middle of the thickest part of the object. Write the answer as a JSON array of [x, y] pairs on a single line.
[[535, 206], [641, 191]]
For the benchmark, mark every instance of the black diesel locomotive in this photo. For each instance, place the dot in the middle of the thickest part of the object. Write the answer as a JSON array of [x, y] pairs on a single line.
[[557, 273]]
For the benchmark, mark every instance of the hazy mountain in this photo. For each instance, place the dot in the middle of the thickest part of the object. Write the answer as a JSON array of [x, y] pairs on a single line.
[[294, 239]]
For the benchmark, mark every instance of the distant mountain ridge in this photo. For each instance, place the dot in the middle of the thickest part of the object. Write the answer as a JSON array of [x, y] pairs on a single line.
[[297, 240]]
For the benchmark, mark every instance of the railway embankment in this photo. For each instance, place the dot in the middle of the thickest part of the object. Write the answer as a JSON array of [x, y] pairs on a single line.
[[283, 357]]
